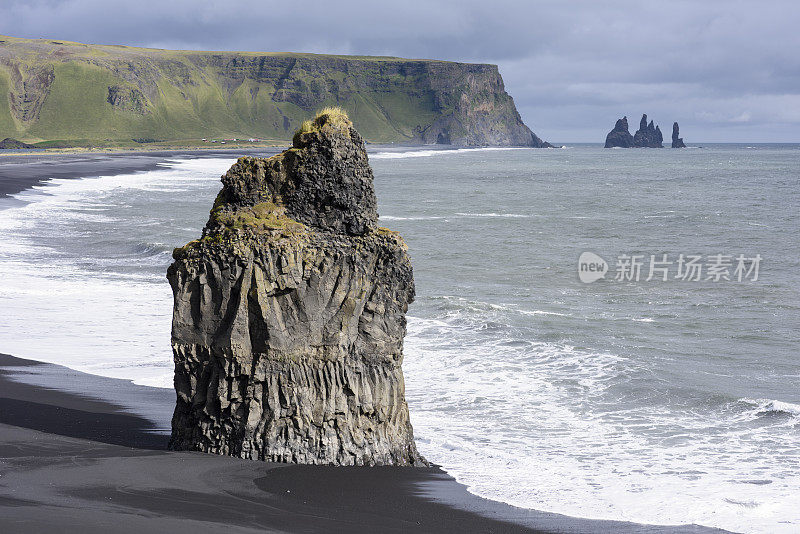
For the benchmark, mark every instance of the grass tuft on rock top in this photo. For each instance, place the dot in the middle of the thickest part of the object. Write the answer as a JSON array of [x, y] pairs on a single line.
[[334, 117]]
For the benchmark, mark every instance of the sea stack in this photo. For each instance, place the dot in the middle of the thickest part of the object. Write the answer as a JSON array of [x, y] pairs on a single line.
[[677, 142], [648, 135], [289, 312], [620, 136]]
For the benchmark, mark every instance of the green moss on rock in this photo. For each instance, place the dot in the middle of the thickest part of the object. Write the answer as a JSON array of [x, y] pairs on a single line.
[[261, 217]]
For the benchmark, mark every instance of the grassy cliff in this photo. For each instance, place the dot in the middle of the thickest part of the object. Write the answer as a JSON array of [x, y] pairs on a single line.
[[59, 90]]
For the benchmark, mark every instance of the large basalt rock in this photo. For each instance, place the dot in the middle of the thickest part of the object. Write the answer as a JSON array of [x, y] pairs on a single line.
[[289, 313], [677, 141], [620, 136]]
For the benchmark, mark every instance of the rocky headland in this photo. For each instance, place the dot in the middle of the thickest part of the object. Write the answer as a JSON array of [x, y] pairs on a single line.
[[73, 92], [289, 313], [677, 141]]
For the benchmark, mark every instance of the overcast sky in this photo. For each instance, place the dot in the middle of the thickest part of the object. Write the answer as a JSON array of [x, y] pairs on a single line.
[[726, 70]]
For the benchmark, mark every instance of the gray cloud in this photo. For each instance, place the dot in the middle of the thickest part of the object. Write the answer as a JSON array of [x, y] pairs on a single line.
[[727, 70]]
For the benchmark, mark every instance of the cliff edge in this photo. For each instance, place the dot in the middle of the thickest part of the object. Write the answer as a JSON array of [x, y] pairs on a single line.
[[61, 90], [289, 313]]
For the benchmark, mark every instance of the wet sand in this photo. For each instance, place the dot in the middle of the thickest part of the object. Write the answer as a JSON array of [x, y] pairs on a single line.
[[73, 460]]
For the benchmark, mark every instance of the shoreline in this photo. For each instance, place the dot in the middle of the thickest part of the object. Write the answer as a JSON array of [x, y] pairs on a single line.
[[24, 170], [19, 172], [79, 453]]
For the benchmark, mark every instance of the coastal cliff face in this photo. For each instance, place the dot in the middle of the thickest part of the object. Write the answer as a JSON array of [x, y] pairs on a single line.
[[289, 313], [72, 91]]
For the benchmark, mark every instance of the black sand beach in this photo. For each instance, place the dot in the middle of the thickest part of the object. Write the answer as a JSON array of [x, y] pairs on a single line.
[[71, 460]]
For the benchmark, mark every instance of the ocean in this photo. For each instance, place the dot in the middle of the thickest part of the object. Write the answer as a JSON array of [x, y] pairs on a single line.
[[630, 397]]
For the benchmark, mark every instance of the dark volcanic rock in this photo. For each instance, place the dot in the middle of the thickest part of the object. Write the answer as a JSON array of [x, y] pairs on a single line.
[[12, 144], [648, 135], [677, 142], [289, 313], [324, 181], [127, 99], [620, 136]]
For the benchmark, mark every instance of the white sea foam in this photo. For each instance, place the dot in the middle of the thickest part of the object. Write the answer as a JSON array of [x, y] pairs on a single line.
[[438, 152], [492, 214], [543, 312], [424, 218], [457, 215], [511, 429], [762, 407]]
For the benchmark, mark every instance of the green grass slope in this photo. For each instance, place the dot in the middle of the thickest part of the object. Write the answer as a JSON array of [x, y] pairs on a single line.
[[58, 90]]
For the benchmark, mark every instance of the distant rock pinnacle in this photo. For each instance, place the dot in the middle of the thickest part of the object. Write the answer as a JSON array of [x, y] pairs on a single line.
[[677, 142], [648, 135], [620, 136]]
